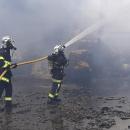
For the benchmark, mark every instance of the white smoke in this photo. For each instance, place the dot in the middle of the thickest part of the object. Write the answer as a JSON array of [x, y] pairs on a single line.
[[40, 24]]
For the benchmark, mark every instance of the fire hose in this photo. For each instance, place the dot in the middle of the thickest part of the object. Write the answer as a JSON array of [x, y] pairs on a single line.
[[24, 63], [32, 61]]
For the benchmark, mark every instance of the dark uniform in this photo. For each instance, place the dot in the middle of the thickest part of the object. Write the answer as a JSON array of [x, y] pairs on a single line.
[[58, 62], [5, 82]]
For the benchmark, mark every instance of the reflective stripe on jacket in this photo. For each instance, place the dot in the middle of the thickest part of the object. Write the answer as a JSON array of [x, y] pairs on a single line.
[[56, 81], [5, 64]]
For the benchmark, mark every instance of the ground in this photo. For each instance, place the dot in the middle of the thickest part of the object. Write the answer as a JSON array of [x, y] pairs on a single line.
[[102, 105]]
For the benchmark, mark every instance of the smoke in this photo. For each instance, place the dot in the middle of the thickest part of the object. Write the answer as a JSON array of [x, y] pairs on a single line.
[[38, 25], [115, 33]]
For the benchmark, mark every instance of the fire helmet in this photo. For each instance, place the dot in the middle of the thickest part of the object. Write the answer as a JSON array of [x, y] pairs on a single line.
[[7, 42], [59, 48], [6, 39]]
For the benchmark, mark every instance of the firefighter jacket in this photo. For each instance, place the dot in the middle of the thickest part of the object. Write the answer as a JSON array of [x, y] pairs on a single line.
[[57, 61], [5, 62]]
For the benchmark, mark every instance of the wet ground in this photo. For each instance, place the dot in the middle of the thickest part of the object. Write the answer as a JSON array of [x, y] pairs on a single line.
[[103, 105]]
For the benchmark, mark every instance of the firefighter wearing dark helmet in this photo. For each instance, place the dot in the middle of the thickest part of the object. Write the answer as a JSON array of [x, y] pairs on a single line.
[[5, 64], [57, 61]]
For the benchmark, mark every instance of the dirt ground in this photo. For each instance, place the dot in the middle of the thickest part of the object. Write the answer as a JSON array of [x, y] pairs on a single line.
[[102, 105]]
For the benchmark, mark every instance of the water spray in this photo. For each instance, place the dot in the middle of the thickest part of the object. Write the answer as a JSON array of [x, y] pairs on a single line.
[[86, 32]]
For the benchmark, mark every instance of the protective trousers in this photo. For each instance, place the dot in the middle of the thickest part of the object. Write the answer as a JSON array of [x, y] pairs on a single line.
[[54, 92], [7, 86]]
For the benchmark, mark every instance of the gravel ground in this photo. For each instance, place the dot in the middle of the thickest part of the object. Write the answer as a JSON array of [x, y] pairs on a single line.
[[104, 105]]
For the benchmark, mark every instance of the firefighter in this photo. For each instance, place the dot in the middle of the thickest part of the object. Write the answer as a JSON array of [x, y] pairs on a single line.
[[57, 61], [5, 64]]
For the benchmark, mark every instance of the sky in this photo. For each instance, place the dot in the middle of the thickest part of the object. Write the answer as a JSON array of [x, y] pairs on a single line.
[[38, 25]]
